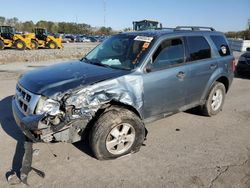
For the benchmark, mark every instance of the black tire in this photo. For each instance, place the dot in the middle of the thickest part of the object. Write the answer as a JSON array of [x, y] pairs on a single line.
[[1, 45], [34, 44], [20, 45], [52, 45], [112, 119], [207, 108]]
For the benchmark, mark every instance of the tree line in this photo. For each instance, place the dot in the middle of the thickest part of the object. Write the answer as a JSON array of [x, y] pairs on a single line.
[[56, 27], [240, 34]]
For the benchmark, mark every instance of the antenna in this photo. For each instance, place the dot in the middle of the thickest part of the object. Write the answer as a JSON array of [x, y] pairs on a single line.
[[104, 13]]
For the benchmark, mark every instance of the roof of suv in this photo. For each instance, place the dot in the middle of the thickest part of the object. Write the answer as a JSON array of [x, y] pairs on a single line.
[[165, 31]]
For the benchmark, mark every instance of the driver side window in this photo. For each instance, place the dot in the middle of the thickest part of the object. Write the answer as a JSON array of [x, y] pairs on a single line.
[[169, 53]]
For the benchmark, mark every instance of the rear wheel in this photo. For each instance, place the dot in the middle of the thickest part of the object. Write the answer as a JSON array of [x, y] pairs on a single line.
[[34, 44], [1, 45], [20, 45], [215, 100], [52, 45], [117, 132]]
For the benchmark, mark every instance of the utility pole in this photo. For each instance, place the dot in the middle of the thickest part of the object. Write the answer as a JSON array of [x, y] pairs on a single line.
[[104, 13]]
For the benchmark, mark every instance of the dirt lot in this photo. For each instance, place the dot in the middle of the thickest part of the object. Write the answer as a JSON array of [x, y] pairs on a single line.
[[184, 150], [70, 51]]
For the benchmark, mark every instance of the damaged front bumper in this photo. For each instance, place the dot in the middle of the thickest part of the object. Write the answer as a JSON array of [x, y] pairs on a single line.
[[33, 127]]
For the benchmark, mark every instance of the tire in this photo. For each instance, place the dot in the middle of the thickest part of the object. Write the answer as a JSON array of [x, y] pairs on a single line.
[[34, 44], [20, 45], [1, 45], [117, 132], [52, 45], [215, 100]]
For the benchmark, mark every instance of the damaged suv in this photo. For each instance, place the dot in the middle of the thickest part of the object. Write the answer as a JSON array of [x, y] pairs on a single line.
[[126, 81]]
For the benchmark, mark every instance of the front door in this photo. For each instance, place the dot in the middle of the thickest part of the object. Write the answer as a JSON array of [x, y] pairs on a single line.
[[166, 79]]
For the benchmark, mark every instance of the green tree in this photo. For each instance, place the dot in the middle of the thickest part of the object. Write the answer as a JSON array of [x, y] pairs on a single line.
[[104, 31], [11, 21], [2, 20], [28, 26]]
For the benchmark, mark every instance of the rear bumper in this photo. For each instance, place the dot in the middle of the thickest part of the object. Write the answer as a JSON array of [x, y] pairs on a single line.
[[243, 67]]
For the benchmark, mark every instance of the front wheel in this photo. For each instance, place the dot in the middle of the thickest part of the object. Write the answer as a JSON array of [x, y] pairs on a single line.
[[20, 45], [52, 45], [215, 100], [117, 132]]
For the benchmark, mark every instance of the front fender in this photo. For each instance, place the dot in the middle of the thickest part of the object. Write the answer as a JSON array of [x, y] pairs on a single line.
[[126, 89]]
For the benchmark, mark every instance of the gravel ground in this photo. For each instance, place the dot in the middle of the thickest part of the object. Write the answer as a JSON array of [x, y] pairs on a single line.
[[184, 150], [70, 51]]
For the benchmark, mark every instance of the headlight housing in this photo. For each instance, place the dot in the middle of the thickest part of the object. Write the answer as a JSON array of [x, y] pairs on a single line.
[[48, 106]]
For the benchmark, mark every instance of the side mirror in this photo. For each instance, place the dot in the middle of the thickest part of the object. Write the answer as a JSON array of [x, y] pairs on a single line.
[[248, 49], [149, 66]]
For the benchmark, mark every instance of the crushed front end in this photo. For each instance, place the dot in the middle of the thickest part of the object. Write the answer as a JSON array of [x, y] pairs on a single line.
[[64, 116], [43, 119]]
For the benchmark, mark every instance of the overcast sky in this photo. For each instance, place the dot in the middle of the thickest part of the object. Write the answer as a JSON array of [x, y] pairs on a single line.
[[223, 15]]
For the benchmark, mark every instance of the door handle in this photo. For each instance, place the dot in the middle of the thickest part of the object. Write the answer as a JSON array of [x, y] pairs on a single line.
[[212, 66], [180, 75]]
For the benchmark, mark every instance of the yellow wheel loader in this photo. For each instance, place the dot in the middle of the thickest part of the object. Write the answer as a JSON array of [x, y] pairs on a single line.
[[9, 39], [41, 39]]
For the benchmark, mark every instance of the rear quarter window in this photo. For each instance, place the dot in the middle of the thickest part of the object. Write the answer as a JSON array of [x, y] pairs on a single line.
[[198, 48], [221, 45]]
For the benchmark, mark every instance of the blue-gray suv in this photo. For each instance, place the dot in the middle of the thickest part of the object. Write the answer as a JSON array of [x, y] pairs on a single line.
[[126, 81]]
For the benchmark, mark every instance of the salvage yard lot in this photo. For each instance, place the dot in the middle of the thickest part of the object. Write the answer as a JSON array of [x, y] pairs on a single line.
[[184, 150]]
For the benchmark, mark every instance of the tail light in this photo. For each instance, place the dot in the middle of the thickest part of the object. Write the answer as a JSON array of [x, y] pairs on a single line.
[[233, 64]]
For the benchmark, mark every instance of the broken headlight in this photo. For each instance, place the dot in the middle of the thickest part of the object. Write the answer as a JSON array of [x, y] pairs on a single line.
[[48, 106]]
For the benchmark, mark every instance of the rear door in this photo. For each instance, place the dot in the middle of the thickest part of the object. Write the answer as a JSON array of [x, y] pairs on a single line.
[[201, 64]]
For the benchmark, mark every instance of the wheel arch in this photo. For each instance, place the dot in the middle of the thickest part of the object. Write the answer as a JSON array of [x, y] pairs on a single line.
[[106, 107], [216, 77], [225, 81], [118, 104]]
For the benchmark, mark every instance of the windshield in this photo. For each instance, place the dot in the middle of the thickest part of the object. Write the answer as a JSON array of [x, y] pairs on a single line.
[[120, 52], [8, 30], [146, 25]]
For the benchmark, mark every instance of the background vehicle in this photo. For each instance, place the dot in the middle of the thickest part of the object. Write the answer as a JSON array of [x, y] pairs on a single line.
[[65, 40], [82, 38], [9, 38], [128, 80], [146, 24], [70, 37], [243, 65], [41, 39]]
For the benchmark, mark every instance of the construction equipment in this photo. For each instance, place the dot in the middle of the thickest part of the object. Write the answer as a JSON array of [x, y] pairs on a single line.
[[146, 25], [41, 39], [9, 38]]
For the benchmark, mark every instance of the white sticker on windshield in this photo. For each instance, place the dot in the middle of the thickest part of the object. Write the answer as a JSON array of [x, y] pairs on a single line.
[[144, 38]]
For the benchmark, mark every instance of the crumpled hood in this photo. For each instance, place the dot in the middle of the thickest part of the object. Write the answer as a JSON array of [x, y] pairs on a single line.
[[65, 76]]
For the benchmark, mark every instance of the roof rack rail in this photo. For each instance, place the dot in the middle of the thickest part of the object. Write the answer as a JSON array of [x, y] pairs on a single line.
[[194, 28]]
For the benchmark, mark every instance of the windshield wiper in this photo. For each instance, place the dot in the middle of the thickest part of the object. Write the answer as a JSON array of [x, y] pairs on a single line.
[[98, 63], [94, 62], [85, 59]]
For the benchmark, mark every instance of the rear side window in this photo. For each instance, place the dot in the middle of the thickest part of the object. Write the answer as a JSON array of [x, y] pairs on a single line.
[[221, 45], [198, 48]]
